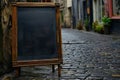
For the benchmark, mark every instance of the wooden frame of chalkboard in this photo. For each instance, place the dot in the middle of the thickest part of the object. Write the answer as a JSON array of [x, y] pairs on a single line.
[[23, 16]]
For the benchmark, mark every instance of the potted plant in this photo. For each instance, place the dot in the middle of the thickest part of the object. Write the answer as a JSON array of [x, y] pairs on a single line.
[[79, 25], [94, 24], [86, 24], [99, 28], [106, 23]]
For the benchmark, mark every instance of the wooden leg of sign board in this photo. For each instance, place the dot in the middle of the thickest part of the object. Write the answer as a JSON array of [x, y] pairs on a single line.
[[17, 71], [53, 68], [59, 70]]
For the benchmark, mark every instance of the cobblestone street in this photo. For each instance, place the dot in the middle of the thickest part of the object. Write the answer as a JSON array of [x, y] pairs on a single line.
[[86, 56]]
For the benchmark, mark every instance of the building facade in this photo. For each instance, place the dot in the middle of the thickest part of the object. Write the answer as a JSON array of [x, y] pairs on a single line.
[[114, 14], [5, 37], [82, 10], [94, 10], [110, 8], [67, 13], [62, 6], [98, 9]]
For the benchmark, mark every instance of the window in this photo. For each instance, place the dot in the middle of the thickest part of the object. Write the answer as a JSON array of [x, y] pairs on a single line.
[[99, 9], [116, 7]]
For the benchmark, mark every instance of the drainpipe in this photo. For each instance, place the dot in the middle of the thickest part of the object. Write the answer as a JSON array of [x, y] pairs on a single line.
[[73, 14], [91, 13]]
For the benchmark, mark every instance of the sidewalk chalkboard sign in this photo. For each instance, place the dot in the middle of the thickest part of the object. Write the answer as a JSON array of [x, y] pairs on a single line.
[[36, 34]]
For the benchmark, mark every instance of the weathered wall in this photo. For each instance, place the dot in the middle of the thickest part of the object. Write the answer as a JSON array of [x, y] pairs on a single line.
[[82, 9], [5, 37], [1, 45], [67, 18], [67, 13], [75, 12]]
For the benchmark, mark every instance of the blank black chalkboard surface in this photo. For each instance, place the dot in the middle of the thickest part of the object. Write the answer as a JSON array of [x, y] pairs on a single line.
[[36, 34]]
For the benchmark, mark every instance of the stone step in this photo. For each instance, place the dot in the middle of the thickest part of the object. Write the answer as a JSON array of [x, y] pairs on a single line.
[[116, 75]]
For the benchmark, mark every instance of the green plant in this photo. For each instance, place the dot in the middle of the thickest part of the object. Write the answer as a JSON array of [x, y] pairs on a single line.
[[94, 24], [86, 24], [79, 25], [106, 20], [106, 23], [99, 28]]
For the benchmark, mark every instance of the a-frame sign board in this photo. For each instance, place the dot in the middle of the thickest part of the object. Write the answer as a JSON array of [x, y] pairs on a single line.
[[36, 34]]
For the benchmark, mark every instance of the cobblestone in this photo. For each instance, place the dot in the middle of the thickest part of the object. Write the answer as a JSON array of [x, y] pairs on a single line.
[[86, 56]]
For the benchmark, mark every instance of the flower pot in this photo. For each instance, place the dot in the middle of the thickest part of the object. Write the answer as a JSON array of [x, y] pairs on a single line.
[[106, 29], [87, 28]]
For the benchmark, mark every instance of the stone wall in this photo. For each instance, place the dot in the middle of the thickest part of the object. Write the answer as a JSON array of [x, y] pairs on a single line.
[[5, 37], [1, 48], [67, 14]]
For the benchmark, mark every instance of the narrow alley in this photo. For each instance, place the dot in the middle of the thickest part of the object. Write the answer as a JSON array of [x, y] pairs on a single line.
[[86, 56], [30, 36]]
